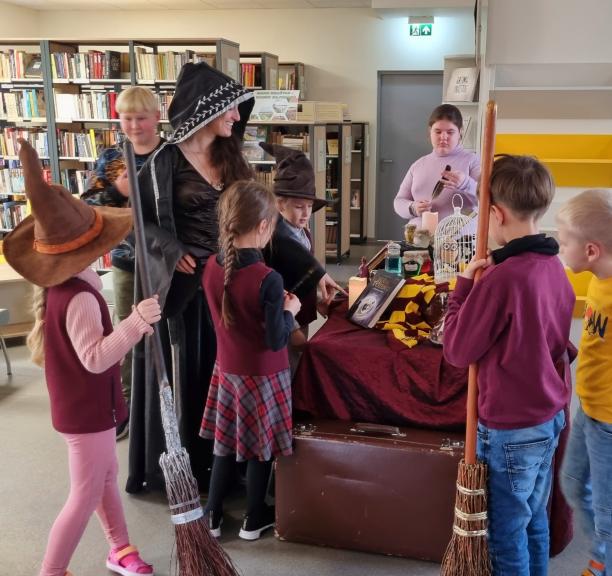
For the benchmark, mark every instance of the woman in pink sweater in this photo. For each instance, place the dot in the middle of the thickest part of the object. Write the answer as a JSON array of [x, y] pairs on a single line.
[[415, 193], [73, 338]]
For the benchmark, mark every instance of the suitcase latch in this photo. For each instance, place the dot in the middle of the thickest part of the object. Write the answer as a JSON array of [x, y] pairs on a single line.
[[304, 429], [448, 444]]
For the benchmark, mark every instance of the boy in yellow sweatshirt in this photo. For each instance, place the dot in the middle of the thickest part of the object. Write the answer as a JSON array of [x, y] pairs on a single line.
[[585, 238]]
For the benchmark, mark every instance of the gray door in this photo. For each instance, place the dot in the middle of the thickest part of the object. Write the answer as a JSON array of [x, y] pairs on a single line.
[[405, 101]]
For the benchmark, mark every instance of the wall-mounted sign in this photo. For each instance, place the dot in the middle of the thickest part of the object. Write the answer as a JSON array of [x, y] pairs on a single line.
[[421, 29]]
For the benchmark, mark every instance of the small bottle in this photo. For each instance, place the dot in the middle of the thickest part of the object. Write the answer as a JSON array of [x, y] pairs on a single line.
[[393, 260], [439, 184]]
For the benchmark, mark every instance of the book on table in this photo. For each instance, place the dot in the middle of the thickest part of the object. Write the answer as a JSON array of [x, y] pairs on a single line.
[[375, 299]]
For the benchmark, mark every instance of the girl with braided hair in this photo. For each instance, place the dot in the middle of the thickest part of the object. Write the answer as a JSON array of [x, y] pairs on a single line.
[[248, 410]]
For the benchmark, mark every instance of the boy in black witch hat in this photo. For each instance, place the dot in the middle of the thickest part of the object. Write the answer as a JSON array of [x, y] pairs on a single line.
[[294, 186]]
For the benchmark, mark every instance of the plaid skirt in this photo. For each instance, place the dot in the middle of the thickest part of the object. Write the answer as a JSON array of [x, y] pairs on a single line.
[[249, 416]]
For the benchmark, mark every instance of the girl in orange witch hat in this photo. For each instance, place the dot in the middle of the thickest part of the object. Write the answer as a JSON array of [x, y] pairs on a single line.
[[73, 337]]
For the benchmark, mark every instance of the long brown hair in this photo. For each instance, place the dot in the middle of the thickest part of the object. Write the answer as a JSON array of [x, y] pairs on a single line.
[[226, 156], [241, 209]]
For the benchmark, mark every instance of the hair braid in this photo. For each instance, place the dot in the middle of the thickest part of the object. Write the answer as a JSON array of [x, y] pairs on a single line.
[[35, 339], [229, 260]]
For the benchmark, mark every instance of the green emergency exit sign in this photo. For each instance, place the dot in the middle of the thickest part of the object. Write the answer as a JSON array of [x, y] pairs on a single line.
[[421, 29]]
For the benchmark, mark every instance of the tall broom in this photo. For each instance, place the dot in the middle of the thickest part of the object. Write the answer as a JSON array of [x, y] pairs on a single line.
[[467, 553], [197, 552]]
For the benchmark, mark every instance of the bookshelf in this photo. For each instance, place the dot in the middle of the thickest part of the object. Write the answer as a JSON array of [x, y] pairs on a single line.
[[306, 136], [67, 110], [359, 181], [292, 76], [259, 70], [469, 110], [559, 113], [338, 160], [22, 115]]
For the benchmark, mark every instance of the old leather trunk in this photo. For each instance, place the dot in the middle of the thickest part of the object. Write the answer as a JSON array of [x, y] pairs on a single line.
[[369, 487]]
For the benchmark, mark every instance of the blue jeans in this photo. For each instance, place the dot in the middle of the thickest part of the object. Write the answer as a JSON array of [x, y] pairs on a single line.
[[518, 487], [586, 483]]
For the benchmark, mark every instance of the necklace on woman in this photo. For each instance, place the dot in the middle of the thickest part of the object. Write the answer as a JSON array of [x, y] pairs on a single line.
[[196, 160]]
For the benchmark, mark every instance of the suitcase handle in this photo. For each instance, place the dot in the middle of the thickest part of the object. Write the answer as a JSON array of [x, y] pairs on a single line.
[[365, 428]]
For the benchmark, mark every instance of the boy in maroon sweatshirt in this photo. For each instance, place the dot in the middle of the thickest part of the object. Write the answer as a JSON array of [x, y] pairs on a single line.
[[515, 325]]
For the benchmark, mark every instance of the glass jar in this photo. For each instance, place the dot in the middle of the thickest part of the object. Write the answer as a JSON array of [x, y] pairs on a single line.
[[393, 260]]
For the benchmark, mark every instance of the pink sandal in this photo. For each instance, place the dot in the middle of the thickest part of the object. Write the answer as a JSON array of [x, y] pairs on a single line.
[[127, 562]]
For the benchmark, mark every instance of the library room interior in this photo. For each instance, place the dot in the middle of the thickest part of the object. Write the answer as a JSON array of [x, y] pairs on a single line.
[[375, 166]]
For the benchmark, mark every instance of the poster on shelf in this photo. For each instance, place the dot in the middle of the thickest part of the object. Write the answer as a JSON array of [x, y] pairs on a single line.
[[462, 85], [275, 106]]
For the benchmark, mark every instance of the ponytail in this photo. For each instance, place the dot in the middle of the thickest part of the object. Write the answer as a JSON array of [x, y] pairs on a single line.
[[35, 339]]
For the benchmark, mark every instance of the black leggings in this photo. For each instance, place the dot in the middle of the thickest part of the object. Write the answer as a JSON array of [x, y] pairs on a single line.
[[258, 475]]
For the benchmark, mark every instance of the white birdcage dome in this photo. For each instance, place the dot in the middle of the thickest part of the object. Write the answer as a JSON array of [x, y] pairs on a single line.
[[454, 243]]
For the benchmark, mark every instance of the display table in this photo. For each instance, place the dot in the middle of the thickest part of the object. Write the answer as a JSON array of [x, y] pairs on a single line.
[[16, 295], [349, 373]]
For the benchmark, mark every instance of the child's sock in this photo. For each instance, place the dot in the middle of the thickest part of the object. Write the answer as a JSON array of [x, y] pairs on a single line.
[[595, 569]]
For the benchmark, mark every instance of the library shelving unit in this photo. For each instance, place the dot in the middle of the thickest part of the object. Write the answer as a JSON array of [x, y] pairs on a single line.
[[67, 110], [469, 110], [292, 76], [259, 70], [22, 115], [310, 137], [339, 149], [158, 61], [559, 113], [359, 181]]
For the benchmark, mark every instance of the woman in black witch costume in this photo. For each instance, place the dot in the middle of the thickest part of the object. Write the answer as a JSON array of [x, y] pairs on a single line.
[[180, 187]]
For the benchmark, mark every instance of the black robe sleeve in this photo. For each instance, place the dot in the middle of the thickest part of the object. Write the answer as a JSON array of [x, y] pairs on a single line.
[[278, 322]]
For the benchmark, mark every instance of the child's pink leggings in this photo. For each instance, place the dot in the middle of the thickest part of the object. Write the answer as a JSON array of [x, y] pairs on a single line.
[[92, 460]]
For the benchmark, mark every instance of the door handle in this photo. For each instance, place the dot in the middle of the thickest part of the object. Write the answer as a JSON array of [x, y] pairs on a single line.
[[387, 161]]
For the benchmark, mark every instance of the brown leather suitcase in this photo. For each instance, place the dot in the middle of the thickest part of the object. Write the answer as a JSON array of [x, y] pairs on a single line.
[[369, 487]]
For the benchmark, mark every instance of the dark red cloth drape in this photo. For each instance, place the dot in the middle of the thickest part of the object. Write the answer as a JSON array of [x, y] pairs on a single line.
[[349, 373]]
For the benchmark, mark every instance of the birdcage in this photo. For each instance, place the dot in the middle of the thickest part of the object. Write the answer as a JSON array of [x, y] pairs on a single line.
[[454, 243]]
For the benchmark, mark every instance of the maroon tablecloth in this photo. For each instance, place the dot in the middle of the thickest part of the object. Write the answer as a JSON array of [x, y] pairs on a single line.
[[350, 373]]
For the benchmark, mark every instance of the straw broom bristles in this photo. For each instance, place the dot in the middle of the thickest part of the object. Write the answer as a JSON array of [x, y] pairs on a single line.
[[467, 553], [197, 552]]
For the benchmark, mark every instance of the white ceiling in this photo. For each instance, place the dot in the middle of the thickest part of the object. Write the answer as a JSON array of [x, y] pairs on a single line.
[[431, 6], [186, 4]]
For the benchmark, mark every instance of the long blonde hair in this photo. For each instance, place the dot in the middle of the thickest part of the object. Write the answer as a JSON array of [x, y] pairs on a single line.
[[35, 339], [241, 208]]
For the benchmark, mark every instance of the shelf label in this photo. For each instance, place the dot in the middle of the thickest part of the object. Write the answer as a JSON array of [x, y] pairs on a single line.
[[321, 164]]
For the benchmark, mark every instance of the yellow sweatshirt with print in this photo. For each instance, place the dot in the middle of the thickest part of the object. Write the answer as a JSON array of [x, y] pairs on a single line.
[[594, 373]]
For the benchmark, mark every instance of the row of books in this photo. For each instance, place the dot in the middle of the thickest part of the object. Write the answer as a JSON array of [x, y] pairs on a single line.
[[11, 213], [299, 141], [19, 64], [288, 81], [166, 65], [86, 144], [10, 147], [90, 105], [250, 75], [331, 232], [22, 103], [164, 98], [265, 177], [89, 65], [75, 180]]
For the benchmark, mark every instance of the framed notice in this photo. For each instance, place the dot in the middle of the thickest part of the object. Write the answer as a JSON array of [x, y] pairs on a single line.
[[462, 85], [275, 106]]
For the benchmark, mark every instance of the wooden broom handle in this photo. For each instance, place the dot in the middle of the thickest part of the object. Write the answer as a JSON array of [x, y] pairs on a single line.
[[482, 238]]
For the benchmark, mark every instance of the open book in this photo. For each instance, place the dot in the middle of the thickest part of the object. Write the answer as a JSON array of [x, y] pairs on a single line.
[[375, 299]]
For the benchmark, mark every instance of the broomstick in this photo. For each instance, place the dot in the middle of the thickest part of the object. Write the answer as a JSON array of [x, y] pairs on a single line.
[[467, 553], [197, 552]]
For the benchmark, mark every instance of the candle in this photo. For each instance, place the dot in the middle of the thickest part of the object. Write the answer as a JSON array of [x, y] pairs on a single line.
[[430, 221], [356, 286]]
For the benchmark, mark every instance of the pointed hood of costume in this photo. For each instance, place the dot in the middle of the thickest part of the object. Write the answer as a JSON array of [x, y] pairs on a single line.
[[202, 94]]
